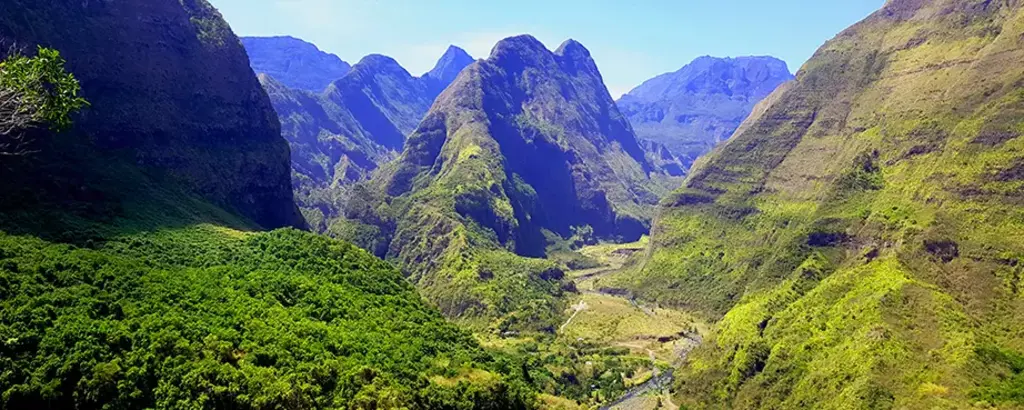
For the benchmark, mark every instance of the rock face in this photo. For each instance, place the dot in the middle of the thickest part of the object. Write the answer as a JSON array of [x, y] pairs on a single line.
[[171, 87], [295, 63], [693, 109], [360, 121], [860, 238]]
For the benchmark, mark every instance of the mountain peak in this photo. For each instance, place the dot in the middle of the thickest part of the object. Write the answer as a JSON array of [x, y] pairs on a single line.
[[455, 52], [379, 63], [521, 44], [694, 108], [450, 65], [572, 49]]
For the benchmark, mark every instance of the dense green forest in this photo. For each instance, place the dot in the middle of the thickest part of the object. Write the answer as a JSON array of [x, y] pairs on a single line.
[[206, 317]]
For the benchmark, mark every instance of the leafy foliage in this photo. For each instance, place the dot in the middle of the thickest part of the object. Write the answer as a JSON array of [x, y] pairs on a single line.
[[35, 91], [207, 318]]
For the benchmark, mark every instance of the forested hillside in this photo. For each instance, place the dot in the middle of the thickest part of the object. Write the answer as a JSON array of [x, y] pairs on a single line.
[[860, 237]]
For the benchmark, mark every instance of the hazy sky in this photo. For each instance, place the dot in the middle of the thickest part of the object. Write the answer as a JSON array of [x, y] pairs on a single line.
[[632, 41]]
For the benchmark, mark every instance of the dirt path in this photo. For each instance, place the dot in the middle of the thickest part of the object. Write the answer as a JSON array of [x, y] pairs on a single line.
[[579, 307]]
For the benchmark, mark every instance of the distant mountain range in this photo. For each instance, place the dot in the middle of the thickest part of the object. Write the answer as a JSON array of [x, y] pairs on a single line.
[[293, 62], [692, 110]]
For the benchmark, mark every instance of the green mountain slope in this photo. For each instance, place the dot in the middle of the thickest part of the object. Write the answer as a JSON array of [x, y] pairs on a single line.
[[523, 148], [860, 237]]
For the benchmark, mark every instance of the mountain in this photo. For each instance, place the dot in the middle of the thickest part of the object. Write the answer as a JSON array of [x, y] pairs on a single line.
[[295, 63], [523, 147], [379, 91], [859, 240], [449, 66], [199, 116], [341, 135], [693, 109], [134, 272]]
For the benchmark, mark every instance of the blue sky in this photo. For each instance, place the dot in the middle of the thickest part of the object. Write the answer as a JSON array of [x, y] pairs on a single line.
[[632, 41]]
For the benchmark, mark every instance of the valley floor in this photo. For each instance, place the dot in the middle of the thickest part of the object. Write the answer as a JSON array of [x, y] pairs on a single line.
[[656, 338]]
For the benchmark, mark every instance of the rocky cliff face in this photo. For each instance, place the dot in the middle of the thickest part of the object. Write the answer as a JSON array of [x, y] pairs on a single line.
[[860, 238], [295, 63], [171, 88], [693, 109]]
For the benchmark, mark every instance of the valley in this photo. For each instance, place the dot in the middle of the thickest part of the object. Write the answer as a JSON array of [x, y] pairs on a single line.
[[190, 219], [651, 341]]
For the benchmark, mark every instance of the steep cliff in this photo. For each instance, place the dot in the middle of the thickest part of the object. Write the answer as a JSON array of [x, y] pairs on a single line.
[[171, 90]]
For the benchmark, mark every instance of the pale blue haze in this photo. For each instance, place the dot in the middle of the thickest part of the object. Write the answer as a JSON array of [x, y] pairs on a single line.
[[632, 41]]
